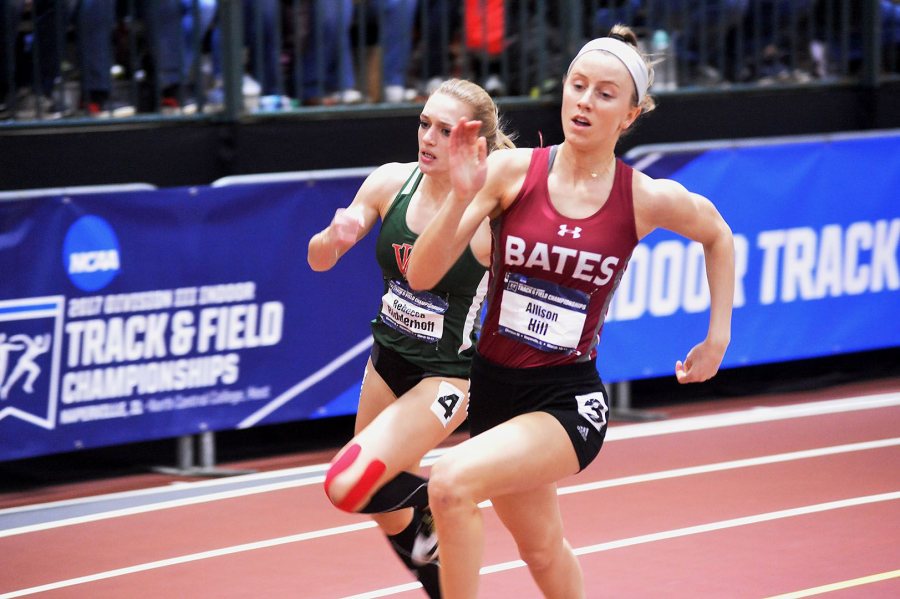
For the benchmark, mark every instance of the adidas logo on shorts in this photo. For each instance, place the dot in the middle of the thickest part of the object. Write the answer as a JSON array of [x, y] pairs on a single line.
[[584, 431]]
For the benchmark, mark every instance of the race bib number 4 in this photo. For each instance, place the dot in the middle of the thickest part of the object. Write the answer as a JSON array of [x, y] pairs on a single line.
[[447, 402], [418, 314], [542, 314]]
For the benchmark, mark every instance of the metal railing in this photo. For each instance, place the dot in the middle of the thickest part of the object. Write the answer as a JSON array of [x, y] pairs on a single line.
[[76, 61]]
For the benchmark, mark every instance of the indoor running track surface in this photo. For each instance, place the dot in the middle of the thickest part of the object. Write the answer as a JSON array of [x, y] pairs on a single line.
[[773, 496]]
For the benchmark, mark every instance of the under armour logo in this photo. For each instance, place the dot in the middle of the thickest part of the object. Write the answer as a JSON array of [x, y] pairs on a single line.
[[401, 253], [584, 431], [574, 232]]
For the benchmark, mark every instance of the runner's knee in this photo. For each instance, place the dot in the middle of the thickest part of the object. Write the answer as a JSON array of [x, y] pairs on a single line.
[[349, 490], [542, 556], [448, 487]]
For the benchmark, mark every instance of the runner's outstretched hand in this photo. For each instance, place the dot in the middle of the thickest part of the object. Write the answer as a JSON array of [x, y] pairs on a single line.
[[468, 159]]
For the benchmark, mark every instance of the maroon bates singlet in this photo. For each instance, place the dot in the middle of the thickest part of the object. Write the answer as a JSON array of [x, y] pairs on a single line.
[[552, 277]]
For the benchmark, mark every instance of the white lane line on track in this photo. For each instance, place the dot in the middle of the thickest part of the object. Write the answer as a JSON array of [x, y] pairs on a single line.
[[174, 487], [603, 484], [152, 507], [566, 490], [189, 558], [732, 465], [669, 534], [501, 567], [776, 458], [753, 416], [839, 586], [615, 433]]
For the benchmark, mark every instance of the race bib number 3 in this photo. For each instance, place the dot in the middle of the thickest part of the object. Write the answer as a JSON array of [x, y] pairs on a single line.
[[542, 314], [594, 408], [418, 314]]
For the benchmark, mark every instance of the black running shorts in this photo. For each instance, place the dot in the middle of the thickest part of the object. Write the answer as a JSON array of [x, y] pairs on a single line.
[[571, 393], [399, 374]]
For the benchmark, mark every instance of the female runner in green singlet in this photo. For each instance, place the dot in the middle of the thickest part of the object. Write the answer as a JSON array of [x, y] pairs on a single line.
[[414, 391]]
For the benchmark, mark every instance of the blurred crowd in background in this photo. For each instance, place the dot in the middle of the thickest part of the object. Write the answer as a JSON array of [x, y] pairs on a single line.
[[121, 58]]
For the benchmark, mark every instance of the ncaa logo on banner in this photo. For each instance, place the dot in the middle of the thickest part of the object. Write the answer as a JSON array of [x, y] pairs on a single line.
[[91, 253], [30, 334]]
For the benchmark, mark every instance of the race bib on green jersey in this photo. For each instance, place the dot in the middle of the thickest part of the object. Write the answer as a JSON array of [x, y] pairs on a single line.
[[418, 314]]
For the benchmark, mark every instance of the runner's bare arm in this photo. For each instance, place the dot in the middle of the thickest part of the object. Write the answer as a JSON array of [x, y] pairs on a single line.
[[351, 224], [667, 204]]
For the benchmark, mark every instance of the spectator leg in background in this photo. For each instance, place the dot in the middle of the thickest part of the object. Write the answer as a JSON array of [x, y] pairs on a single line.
[[95, 21], [10, 13], [261, 37], [398, 17], [328, 59]]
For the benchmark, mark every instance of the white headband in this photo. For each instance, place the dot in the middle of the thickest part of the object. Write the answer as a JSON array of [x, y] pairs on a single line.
[[625, 53]]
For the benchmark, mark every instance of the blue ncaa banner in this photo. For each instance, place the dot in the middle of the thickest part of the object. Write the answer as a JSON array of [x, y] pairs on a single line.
[[816, 223], [143, 315], [149, 314]]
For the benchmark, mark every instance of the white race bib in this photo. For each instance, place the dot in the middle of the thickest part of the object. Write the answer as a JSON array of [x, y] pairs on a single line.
[[542, 314], [418, 314]]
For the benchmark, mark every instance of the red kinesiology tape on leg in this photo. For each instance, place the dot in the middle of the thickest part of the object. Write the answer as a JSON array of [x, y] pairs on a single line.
[[365, 483], [342, 463], [362, 487]]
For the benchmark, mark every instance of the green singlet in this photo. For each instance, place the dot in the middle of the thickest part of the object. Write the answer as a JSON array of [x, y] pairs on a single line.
[[434, 329]]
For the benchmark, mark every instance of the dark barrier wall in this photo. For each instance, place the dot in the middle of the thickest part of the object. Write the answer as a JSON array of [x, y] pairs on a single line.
[[176, 153]]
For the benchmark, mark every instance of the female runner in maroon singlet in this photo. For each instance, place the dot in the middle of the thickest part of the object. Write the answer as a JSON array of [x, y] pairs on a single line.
[[564, 221]]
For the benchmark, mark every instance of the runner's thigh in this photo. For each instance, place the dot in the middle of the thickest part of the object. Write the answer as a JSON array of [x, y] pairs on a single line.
[[374, 397], [407, 428], [515, 456]]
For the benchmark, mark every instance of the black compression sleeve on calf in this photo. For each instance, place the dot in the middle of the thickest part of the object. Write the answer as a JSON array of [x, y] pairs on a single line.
[[402, 544], [404, 490]]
